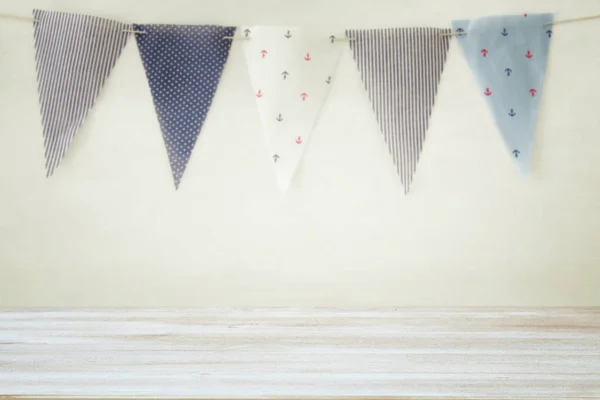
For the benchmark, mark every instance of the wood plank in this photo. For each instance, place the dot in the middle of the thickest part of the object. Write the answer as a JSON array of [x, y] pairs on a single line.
[[338, 353]]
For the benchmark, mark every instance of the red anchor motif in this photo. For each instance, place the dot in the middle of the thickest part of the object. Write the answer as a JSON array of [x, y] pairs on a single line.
[[484, 52], [307, 57], [487, 92], [528, 55], [259, 94], [263, 53], [303, 96], [299, 140], [525, 15], [533, 92]]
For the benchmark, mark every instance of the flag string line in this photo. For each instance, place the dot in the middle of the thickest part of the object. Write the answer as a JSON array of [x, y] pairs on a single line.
[[564, 21], [30, 19], [12, 16], [249, 38]]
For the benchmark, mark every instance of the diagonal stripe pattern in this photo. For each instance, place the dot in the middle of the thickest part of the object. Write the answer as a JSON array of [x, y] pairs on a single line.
[[74, 56], [401, 68]]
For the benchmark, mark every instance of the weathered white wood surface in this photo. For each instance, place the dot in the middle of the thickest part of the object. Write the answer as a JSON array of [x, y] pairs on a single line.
[[239, 353]]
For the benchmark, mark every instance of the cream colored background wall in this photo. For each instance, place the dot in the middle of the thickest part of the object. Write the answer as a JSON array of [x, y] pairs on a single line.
[[109, 229]]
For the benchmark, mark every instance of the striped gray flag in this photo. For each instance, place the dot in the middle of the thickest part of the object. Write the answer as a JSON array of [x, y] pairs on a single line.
[[401, 68], [74, 56]]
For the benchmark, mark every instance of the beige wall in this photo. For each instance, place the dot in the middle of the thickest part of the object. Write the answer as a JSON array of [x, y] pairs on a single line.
[[108, 228]]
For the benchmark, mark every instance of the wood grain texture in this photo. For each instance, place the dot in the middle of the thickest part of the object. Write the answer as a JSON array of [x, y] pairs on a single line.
[[258, 353]]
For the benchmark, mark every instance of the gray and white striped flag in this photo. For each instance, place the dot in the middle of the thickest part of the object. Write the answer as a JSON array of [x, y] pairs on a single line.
[[401, 68], [74, 56]]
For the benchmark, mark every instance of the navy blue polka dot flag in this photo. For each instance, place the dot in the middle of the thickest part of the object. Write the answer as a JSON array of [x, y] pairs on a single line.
[[183, 64], [508, 55]]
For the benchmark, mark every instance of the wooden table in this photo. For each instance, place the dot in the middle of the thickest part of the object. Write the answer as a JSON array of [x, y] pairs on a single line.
[[307, 353]]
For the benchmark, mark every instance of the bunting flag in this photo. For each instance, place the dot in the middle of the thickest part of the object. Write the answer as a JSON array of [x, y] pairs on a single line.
[[74, 55], [183, 65], [291, 71], [508, 55], [401, 69]]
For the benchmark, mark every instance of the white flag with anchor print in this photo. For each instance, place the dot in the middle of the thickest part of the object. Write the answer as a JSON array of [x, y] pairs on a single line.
[[292, 70]]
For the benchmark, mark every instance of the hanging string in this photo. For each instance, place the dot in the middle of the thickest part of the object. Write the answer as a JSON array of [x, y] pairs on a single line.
[[11, 16], [30, 19], [133, 31], [564, 21], [453, 34], [248, 38]]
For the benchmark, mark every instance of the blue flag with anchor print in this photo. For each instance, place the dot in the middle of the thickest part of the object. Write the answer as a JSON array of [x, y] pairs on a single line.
[[508, 55], [183, 65]]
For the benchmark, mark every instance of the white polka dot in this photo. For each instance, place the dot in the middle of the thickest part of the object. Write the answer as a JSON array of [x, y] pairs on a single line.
[[183, 65]]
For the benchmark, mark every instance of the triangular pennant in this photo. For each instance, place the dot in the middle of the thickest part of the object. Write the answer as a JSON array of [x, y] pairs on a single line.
[[183, 65], [292, 70], [75, 55], [401, 69], [508, 55]]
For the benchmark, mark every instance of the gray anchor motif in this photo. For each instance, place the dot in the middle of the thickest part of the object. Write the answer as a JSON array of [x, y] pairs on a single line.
[[279, 118], [275, 158], [516, 153], [288, 34]]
